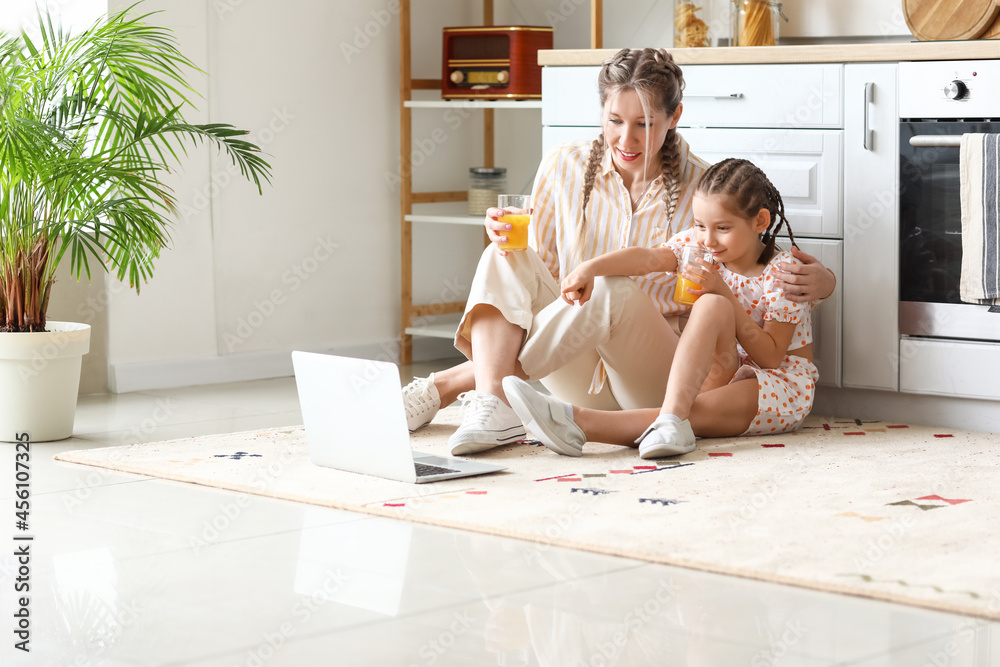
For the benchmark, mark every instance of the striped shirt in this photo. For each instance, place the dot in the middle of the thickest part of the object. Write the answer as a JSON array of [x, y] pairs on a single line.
[[611, 222]]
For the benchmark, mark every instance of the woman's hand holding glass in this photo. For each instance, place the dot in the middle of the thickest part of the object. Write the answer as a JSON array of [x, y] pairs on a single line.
[[496, 228], [501, 232]]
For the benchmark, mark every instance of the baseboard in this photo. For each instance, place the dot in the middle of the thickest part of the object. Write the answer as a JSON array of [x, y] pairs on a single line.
[[960, 413], [145, 376]]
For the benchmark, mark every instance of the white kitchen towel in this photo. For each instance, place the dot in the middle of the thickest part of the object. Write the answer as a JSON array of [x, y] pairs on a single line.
[[980, 177]]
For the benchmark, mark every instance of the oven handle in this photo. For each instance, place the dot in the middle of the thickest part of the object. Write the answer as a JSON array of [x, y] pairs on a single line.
[[936, 141]]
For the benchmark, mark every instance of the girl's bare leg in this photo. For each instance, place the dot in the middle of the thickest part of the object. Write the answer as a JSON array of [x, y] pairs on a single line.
[[615, 427], [726, 411], [698, 386], [705, 357], [722, 412]]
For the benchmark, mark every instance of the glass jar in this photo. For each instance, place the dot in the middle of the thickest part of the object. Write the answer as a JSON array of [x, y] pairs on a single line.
[[485, 185], [703, 23], [756, 22]]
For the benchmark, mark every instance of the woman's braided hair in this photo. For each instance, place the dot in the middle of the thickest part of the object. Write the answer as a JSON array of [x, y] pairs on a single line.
[[654, 75], [747, 190]]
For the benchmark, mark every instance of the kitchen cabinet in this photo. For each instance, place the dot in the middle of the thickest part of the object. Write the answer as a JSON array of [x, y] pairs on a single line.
[[803, 164], [871, 227]]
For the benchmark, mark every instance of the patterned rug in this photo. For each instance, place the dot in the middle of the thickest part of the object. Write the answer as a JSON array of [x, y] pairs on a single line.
[[881, 510]]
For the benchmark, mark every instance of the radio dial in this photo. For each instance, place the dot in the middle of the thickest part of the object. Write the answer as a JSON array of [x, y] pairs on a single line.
[[457, 76], [956, 90], [503, 76]]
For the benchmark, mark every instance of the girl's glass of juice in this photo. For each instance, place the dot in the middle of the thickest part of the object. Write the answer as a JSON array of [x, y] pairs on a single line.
[[687, 262]]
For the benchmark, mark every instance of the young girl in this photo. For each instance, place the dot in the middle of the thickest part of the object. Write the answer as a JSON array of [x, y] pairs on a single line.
[[744, 362]]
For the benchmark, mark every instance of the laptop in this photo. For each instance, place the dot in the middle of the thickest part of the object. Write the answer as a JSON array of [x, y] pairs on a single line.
[[355, 421]]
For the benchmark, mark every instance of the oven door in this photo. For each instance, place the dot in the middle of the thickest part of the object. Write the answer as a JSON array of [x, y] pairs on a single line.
[[930, 230]]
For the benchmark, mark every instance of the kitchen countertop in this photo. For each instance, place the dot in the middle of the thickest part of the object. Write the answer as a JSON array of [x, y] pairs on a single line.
[[976, 49]]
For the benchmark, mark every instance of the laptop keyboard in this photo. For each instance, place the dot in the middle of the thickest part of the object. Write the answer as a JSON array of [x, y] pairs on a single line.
[[424, 469]]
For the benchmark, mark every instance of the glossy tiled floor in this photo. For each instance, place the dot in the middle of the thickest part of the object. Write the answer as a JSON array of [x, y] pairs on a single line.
[[130, 570]]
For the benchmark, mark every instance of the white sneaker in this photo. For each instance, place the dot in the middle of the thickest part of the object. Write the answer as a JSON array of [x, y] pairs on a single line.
[[666, 437], [487, 422], [421, 401], [547, 419]]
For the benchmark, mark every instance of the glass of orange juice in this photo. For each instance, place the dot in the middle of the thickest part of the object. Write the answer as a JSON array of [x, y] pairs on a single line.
[[517, 213], [689, 254]]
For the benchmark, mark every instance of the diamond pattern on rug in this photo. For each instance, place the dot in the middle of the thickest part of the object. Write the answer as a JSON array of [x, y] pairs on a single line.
[[944, 500], [925, 508]]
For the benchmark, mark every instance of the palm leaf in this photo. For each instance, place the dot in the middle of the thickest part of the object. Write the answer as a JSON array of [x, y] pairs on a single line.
[[90, 126]]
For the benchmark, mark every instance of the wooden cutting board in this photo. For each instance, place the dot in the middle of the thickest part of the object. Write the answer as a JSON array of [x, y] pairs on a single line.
[[993, 31], [949, 19]]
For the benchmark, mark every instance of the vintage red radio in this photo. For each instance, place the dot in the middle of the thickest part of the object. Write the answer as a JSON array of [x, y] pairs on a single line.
[[493, 62]]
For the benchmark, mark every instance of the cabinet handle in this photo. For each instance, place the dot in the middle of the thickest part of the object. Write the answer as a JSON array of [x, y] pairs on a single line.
[[721, 96], [936, 140], [869, 95]]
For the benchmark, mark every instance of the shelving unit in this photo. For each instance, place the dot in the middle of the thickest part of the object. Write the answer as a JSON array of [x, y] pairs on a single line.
[[444, 207]]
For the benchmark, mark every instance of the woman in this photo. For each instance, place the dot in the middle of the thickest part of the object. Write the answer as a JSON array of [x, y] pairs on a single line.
[[630, 187]]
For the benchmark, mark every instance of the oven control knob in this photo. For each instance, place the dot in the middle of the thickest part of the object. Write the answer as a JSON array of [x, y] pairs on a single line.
[[956, 90]]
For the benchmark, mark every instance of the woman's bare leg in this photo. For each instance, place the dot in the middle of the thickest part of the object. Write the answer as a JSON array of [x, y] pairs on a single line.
[[451, 382], [496, 344]]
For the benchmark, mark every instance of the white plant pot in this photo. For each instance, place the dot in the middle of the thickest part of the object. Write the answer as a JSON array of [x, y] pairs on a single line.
[[40, 380]]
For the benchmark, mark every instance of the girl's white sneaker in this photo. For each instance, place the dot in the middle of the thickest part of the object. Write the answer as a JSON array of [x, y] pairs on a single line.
[[666, 437]]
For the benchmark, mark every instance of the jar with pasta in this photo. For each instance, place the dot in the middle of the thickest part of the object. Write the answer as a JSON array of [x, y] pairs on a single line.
[[757, 22], [703, 23]]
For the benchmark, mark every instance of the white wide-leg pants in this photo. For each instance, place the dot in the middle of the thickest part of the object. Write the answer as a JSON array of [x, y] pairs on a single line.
[[613, 352]]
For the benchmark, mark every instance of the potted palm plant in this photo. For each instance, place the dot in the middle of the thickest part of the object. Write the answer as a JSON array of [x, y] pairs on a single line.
[[90, 126]]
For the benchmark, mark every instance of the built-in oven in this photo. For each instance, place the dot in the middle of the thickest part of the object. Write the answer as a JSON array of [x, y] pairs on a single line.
[[938, 103]]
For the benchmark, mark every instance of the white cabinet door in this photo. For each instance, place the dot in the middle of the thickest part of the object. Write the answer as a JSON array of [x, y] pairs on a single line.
[[827, 317], [792, 95], [569, 96], [777, 96], [950, 368], [871, 227], [803, 164]]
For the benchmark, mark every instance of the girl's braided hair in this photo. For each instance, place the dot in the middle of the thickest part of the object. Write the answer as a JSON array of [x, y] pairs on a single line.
[[657, 79], [747, 190]]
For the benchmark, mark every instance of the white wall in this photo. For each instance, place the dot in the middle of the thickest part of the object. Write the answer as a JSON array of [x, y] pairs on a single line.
[[314, 262]]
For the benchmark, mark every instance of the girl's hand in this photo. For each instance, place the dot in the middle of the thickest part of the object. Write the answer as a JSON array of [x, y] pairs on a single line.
[[708, 277], [578, 285], [496, 228]]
